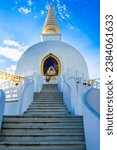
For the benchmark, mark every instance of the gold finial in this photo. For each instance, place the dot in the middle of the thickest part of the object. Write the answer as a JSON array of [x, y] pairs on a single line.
[[51, 25], [51, 5]]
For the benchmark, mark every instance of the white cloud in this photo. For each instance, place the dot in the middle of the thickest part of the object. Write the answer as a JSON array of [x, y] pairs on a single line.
[[15, 44], [29, 2], [24, 10], [11, 53], [12, 49], [42, 12], [58, 1], [47, 6], [67, 15], [62, 11], [11, 69], [11, 43]]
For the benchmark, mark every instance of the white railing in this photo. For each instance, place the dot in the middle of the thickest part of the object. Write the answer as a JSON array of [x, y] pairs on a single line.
[[10, 89], [73, 93], [81, 79], [18, 96], [96, 84], [69, 88], [77, 86], [26, 94]]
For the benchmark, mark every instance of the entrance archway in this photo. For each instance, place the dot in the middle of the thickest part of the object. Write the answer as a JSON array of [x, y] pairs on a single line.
[[51, 66]]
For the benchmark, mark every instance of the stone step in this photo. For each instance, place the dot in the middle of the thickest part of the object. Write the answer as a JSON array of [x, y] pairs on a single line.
[[56, 94], [50, 147], [47, 110], [28, 134], [48, 120], [49, 93], [48, 100], [52, 107], [44, 144], [37, 130], [41, 121], [48, 97], [60, 147], [46, 113], [46, 105], [41, 138], [24, 144], [41, 116], [50, 90], [49, 103], [40, 127], [59, 134]]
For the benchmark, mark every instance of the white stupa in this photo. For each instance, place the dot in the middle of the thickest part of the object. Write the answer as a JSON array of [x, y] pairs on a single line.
[[51, 52], [56, 89]]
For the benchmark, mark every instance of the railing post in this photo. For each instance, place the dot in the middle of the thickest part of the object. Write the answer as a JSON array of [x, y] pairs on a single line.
[[2, 104], [26, 94]]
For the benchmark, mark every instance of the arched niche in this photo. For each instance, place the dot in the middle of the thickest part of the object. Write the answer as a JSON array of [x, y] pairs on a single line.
[[49, 64]]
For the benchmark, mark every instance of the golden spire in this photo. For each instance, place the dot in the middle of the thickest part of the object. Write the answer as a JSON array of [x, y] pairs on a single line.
[[50, 25]]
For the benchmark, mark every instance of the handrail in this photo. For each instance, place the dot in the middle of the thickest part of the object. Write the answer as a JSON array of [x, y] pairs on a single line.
[[26, 87], [22, 93], [85, 97]]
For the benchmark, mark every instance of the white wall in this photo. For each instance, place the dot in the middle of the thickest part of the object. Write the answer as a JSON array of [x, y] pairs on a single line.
[[11, 107], [91, 116], [31, 60]]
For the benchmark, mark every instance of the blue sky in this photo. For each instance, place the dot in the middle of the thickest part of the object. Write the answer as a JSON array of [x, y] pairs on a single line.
[[21, 23]]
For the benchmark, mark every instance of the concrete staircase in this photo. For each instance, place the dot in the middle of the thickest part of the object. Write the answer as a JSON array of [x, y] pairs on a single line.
[[46, 125]]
